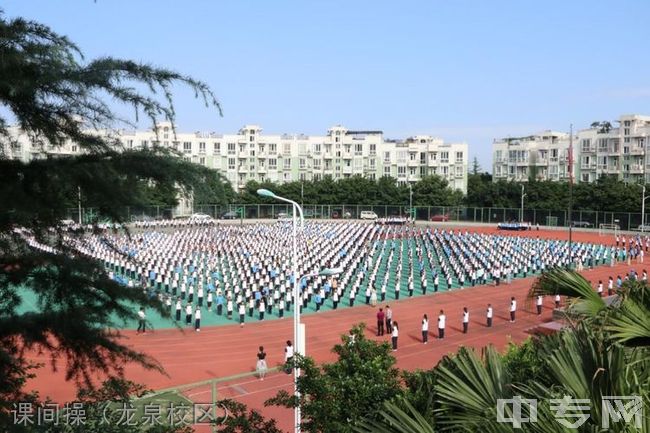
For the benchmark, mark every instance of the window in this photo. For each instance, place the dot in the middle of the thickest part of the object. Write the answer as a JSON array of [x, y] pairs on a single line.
[[143, 143], [412, 171], [231, 163], [627, 123], [272, 148], [303, 163], [358, 149], [129, 144], [231, 148], [373, 149], [317, 148], [166, 136], [201, 147], [459, 157], [412, 156], [386, 157], [586, 144], [217, 148], [626, 139], [74, 148], [444, 157], [401, 156], [273, 164], [287, 164], [251, 138], [401, 171], [386, 171], [372, 176], [358, 164], [372, 163], [202, 160], [626, 131], [187, 147], [286, 148], [317, 164]]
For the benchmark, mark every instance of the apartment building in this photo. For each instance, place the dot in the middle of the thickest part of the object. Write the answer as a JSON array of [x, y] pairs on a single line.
[[252, 155], [601, 150]]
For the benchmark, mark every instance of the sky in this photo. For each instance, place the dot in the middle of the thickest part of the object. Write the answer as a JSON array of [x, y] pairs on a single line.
[[461, 70]]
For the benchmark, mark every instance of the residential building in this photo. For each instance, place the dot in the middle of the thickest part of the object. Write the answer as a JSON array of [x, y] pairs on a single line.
[[341, 153], [600, 150]]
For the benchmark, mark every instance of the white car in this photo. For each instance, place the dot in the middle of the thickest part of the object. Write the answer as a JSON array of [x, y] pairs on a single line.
[[368, 215], [200, 217]]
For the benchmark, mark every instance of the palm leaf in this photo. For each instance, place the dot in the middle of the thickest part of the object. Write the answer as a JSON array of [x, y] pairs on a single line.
[[397, 420], [586, 302]]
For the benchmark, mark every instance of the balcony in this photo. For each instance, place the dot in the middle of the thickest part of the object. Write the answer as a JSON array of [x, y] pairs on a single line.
[[635, 150], [242, 169], [327, 155], [636, 168], [261, 170], [347, 170], [588, 149]]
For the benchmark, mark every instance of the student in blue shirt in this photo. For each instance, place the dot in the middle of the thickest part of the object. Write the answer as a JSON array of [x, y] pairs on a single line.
[[220, 301]]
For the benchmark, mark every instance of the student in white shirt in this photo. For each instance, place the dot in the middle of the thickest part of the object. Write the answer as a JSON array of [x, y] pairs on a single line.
[[513, 309], [540, 302], [394, 335], [442, 319], [288, 356], [489, 315], [242, 314], [465, 320], [188, 314], [197, 319], [600, 288], [141, 321], [557, 301], [179, 308], [425, 329]]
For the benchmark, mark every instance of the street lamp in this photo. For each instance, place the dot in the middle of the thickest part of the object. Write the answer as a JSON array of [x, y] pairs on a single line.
[[523, 194], [643, 199], [297, 335]]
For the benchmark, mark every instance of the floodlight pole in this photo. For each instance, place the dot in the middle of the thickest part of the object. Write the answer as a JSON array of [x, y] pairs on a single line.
[[521, 214], [570, 194]]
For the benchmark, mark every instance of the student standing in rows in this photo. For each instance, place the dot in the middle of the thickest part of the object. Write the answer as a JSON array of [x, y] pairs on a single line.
[[242, 314], [281, 308], [465, 320], [209, 300], [288, 356], [229, 308], [394, 335], [179, 308], [188, 314], [489, 315], [557, 300], [442, 319], [262, 309], [199, 295], [389, 319], [197, 319], [261, 363], [425, 329], [141, 321], [513, 309], [380, 322]]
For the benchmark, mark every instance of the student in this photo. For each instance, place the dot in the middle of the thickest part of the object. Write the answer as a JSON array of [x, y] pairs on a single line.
[[262, 309], [281, 308], [425, 329], [513, 309], [219, 304], [489, 315], [261, 363], [229, 307], [199, 295], [610, 286], [188, 314], [210, 301], [436, 280], [394, 335], [600, 288], [442, 319], [288, 357], [557, 301], [389, 319], [380, 322], [197, 319], [465, 320], [540, 301], [179, 308], [251, 306], [141, 321], [242, 314]]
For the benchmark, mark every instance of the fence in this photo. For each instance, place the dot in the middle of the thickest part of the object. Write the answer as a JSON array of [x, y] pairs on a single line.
[[626, 220]]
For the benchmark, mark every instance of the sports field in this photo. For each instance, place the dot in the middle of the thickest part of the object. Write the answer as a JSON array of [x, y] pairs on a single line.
[[222, 351]]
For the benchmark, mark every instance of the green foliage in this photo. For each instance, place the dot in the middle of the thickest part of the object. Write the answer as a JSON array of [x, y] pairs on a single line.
[[524, 362], [55, 97], [336, 397], [242, 420]]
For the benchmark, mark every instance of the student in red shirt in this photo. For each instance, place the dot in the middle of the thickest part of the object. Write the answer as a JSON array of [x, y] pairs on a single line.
[[380, 322]]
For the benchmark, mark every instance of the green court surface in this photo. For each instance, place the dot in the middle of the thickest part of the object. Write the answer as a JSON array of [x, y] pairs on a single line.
[[211, 318]]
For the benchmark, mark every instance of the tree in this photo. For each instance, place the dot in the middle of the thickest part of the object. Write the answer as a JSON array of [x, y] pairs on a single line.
[[55, 97], [476, 167], [336, 396]]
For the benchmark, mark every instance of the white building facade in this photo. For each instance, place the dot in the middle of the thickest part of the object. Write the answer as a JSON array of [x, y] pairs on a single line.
[[341, 153], [621, 151]]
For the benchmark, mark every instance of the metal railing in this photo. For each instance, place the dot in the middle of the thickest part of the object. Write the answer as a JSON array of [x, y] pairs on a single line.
[[625, 220]]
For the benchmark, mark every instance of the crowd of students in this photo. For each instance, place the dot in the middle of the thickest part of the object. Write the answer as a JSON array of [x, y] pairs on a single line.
[[244, 272]]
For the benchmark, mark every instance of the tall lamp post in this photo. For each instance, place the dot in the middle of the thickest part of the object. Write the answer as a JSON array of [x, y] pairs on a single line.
[[297, 335], [521, 214], [643, 199]]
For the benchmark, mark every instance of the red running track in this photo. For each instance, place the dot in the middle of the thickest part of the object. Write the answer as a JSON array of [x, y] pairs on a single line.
[[222, 351]]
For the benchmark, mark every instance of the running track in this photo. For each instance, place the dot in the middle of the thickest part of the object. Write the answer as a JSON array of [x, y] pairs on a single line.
[[188, 356]]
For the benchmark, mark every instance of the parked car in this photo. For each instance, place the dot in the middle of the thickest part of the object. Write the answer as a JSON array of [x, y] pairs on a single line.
[[232, 215], [282, 216], [310, 213], [440, 218], [340, 214], [368, 215], [644, 227], [582, 224], [200, 217]]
